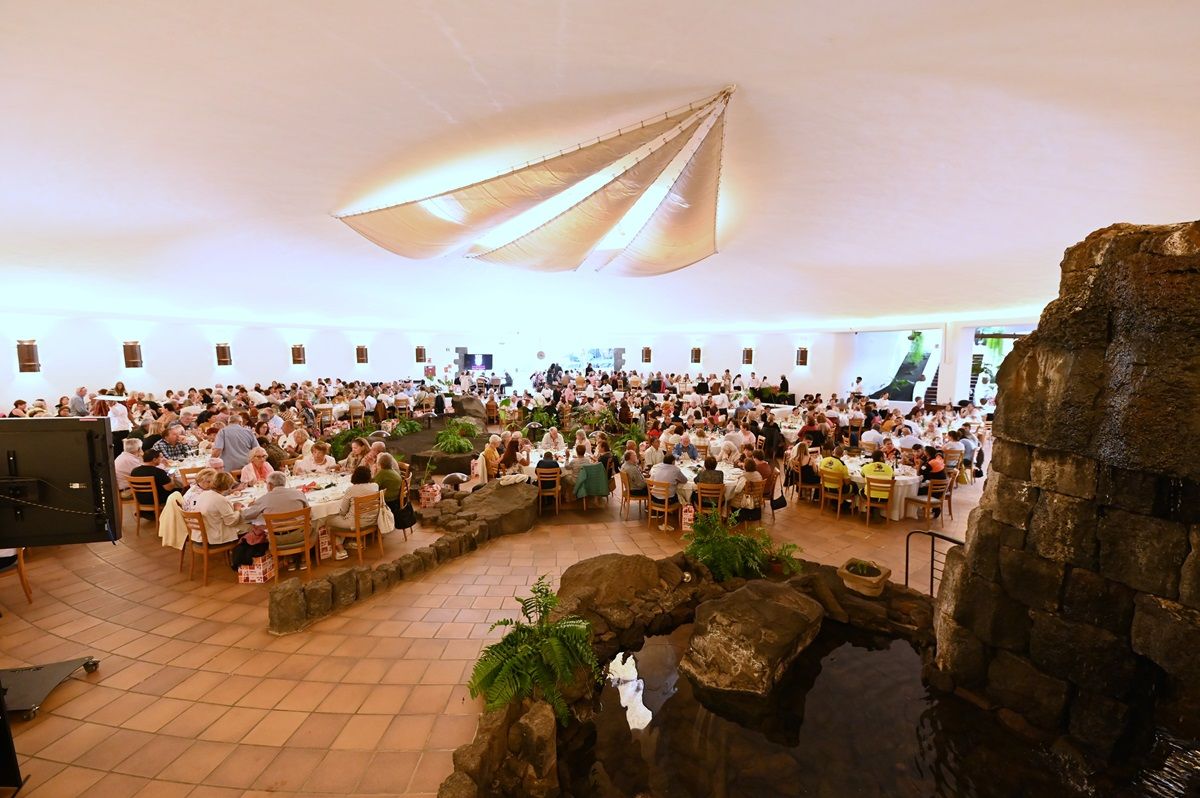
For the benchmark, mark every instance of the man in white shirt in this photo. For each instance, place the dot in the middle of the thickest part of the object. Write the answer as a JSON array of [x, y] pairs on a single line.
[[652, 455], [127, 460], [873, 435], [118, 421], [908, 440], [668, 472], [856, 386]]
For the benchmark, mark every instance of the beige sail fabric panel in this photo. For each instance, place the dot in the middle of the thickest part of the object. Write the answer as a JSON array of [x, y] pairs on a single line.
[[564, 242], [683, 229], [411, 229]]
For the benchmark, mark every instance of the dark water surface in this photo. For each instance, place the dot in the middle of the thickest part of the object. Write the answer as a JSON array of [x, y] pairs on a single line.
[[852, 720]]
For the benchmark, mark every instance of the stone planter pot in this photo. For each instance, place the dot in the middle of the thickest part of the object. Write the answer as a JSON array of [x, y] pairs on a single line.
[[866, 585]]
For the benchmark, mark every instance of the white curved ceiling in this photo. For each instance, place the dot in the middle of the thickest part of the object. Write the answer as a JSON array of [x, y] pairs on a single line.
[[882, 163]]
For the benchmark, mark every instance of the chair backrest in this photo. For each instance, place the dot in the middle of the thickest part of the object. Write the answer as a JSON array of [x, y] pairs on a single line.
[[186, 475], [194, 522], [145, 493], [868, 446], [366, 511], [754, 493], [832, 480], [548, 479], [710, 493], [880, 489], [660, 492], [952, 457], [284, 523], [938, 488]]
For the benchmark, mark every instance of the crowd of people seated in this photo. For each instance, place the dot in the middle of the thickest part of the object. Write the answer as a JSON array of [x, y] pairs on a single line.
[[248, 433]]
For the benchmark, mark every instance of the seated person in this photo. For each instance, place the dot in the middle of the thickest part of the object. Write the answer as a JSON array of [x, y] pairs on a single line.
[[832, 462], [632, 469], [571, 472], [172, 443], [318, 460], [387, 476], [710, 474], [553, 440], [361, 484], [128, 460], [154, 466], [548, 462], [872, 436], [667, 472], [359, 448], [877, 469], [933, 466], [513, 459], [201, 481], [278, 499], [222, 520], [258, 469], [750, 475], [652, 455], [685, 447]]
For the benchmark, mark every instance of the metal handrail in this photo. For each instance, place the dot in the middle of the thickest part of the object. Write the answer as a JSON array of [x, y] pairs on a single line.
[[934, 560]]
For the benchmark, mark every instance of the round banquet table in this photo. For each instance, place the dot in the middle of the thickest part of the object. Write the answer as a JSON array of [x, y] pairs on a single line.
[[325, 498], [536, 454], [906, 485], [691, 468]]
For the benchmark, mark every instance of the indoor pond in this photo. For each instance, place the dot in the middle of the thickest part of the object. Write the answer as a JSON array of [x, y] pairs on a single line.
[[852, 719]]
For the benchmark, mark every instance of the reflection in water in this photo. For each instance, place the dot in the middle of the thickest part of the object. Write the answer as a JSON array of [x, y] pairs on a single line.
[[852, 719]]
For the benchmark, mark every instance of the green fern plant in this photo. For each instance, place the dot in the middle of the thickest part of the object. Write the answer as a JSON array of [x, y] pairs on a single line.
[[536, 657], [339, 444], [455, 437], [405, 426], [727, 555]]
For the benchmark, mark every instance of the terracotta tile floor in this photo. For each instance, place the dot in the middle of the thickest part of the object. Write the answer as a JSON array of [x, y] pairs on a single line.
[[194, 698]]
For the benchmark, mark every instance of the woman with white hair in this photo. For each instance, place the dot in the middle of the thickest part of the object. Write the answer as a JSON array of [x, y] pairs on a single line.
[[258, 469], [202, 481]]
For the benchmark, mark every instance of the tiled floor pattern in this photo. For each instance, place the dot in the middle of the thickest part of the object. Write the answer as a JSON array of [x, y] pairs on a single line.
[[194, 698]]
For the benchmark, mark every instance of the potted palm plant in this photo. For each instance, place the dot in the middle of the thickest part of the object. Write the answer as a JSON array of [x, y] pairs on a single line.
[[864, 576]]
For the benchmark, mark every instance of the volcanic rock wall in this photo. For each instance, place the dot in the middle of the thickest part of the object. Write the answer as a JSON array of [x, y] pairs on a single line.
[[1076, 601]]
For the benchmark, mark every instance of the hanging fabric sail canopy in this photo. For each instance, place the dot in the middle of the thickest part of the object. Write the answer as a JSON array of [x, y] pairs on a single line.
[[564, 242], [439, 224], [682, 230]]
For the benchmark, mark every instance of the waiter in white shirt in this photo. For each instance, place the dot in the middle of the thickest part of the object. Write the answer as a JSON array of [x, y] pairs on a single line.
[[118, 420], [856, 386]]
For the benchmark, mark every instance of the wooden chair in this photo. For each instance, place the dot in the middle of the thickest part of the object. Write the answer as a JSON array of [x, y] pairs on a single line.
[[492, 411], [952, 457], [769, 493], [402, 407], [186, 474], [627, 497], [868, 447], [710, 496], [549, 483], [701, 451], [753, 494], [288, 464], [286, 523], [835, 488], [18, 568], [952, 477], [657, 505], [365, 510], [324, 417], [195, 526], [356, 413], [934, 498], [145, 498], [869, 499]]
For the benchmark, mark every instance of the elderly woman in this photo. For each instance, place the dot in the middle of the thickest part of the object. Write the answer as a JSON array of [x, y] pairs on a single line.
[[318, 460], [361, 484], [201, 481], [258, 469], [222, 520]]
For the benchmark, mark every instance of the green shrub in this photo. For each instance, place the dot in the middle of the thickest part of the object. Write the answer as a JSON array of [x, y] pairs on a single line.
[[537, 657], [456, 437], [405, 426], [728, 555], [339, 445]]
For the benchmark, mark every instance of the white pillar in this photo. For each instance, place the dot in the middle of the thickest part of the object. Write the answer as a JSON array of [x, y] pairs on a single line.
[[954, 380]]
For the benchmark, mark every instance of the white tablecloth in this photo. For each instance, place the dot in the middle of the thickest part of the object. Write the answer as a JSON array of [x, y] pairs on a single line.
[[324, 501], [906, 486], [731, 472]]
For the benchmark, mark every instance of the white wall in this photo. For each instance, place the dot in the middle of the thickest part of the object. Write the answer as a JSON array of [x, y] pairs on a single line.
[[87, 351]]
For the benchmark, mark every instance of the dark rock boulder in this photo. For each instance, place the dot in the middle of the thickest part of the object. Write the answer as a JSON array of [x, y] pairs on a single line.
[[470, 407], [609, 579], [514, 507], [318, 598], [286, 611], [345, 587], [743, 644]]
